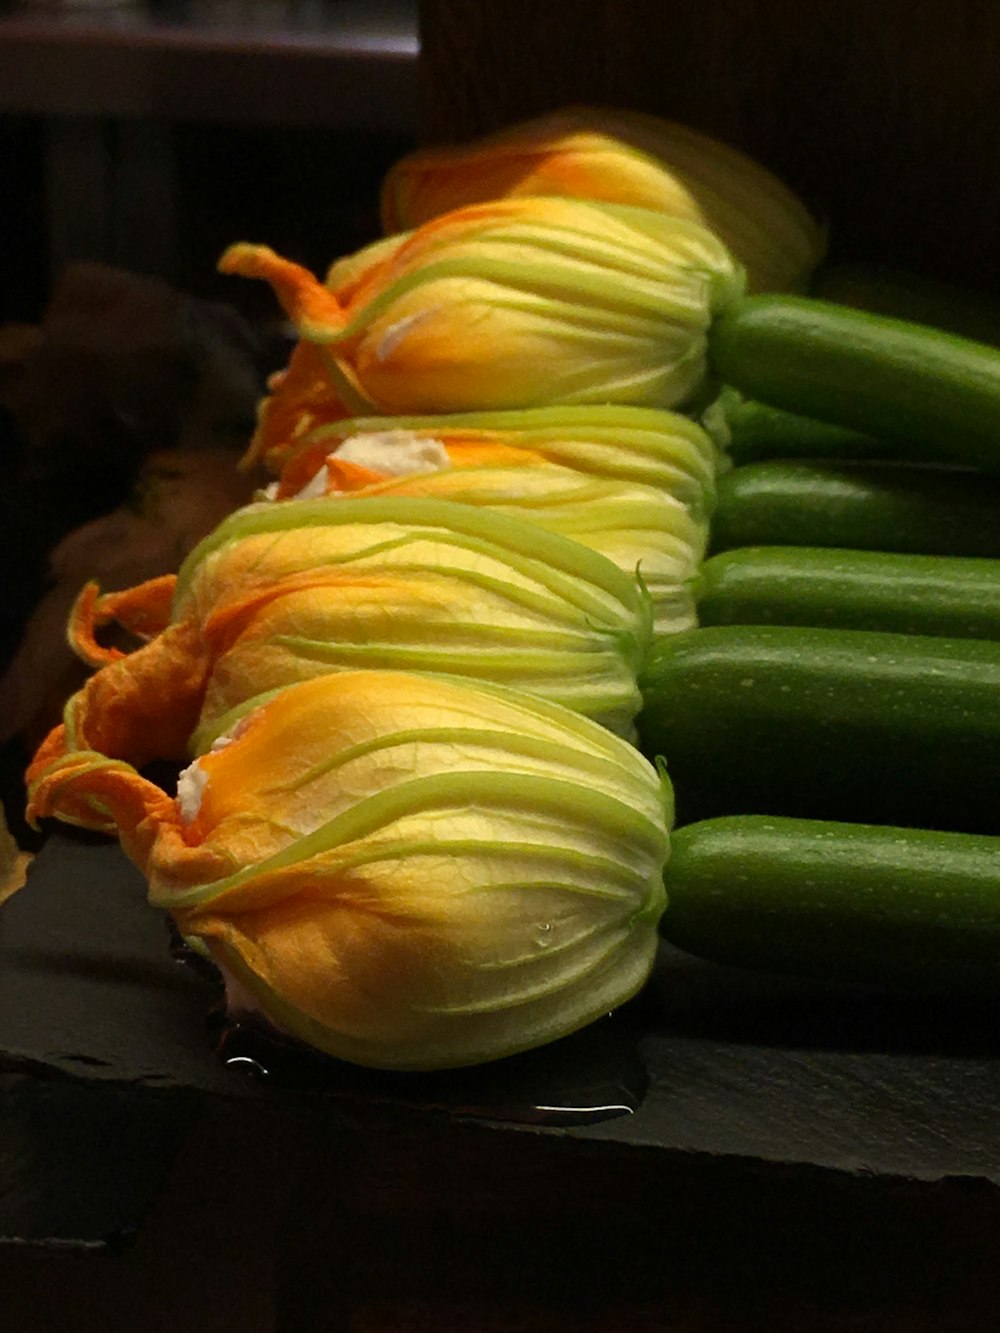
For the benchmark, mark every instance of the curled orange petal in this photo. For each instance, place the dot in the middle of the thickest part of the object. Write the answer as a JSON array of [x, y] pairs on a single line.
[[315, 309], [109, 796], [87, 789], [306, 301], [137, 708], [143, 611], [140, 707]]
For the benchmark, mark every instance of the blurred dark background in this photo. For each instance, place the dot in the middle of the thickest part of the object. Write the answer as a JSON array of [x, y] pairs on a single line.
[[138, 141]]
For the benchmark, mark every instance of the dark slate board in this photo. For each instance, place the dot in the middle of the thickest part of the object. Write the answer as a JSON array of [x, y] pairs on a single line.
[[712, 1061], [81, 1165]]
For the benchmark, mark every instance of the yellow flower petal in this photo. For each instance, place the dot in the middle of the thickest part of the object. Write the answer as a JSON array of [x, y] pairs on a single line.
[[624, 157]]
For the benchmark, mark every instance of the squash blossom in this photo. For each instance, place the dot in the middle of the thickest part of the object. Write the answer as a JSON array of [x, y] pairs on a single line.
[[280, 593], [643, 445], [624, 157], [645, 530], [404, 871], [516, 303]]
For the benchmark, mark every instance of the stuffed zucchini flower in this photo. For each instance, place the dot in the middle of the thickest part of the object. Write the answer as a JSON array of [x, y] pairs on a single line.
[[624, 157], [516, 303], [280, 593], [643, 445], [404, 871], [644, 530]]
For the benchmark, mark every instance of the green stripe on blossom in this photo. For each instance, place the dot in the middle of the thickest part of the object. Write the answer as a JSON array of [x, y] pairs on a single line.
[[499, 530], [609, 815]]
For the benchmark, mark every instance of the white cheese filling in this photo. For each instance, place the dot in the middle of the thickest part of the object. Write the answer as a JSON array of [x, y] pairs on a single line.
[[390, 453], [193, 780], [394, 453], [191, 784]]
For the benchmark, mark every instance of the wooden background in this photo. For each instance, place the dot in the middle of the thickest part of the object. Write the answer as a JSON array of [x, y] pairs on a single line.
[[884, 116]]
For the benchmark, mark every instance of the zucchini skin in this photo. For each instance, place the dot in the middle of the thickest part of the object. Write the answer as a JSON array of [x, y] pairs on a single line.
[[838, 901], [951, 596], [759, 431], [864, 506], [883, 376], [842, 724]]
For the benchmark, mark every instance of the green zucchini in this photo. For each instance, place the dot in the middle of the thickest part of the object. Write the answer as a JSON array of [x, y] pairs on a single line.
[[885, 377], [838, 901], [864, 506], [953, 596], [887, 290], [752, 431], [845, 724]]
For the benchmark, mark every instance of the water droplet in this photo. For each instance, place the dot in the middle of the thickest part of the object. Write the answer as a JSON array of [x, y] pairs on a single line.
[[251, 1066], [592, 1076]]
